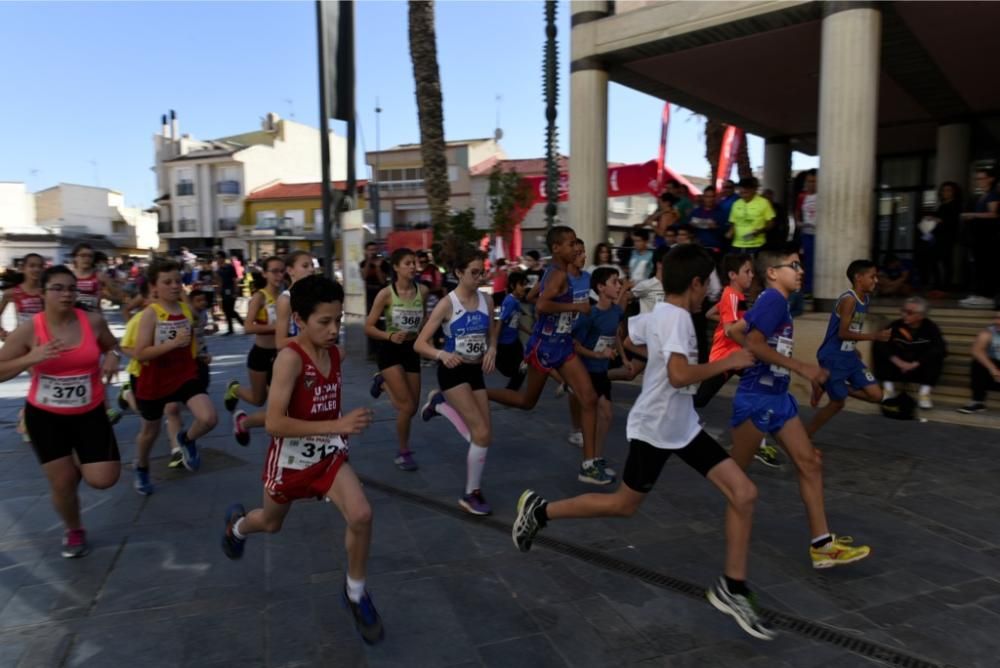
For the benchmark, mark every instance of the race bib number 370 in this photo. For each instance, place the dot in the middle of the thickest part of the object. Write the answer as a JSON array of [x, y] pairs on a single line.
[[64, 391], [301, 452]]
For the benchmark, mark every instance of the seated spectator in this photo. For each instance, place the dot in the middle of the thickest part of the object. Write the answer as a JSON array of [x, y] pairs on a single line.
[[895, 278], [985, 366], [914, 353]]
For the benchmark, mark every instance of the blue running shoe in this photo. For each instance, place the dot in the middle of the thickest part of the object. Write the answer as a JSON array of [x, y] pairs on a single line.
[[434, 399], [189, 452], [366, 618], [143, 485], [231, 545], [376, 388]]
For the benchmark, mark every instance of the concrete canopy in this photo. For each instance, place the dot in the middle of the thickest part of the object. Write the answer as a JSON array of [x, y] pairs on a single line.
[[756, 64]]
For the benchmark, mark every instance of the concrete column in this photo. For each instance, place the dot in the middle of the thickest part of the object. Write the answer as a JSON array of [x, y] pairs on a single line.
[[777, 167], [848, 117], [588, 142], [952, 161]]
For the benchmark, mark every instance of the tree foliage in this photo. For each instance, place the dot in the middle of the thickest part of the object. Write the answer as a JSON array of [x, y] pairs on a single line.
[[509, 193]]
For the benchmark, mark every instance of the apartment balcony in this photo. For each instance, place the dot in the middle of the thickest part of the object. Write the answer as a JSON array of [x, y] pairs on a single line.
[[185, 188], [228, 224], [165, 227], [227, 188], [187, 225]]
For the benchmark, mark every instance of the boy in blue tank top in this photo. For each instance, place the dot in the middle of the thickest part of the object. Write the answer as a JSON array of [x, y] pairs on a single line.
[[510, 352], [551, 345], [763, 405], [839, 352]]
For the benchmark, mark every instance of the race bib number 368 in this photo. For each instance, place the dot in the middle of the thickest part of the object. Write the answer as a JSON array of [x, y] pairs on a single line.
[[301, 452]]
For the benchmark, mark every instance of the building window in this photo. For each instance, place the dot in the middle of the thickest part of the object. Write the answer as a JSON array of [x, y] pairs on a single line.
[[294, 219], [317, 219], [267, 220], [185, 182], [231, 214]]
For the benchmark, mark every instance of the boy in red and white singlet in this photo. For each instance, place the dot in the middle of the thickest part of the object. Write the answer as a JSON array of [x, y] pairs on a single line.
[[308, 455]]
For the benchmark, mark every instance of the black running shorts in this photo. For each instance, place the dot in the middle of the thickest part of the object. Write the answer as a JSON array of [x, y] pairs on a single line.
[[262, 360], [645, 461], [398, 354], [601, 383], [54, 436], [463, 373], [152, 409], [510, 356]]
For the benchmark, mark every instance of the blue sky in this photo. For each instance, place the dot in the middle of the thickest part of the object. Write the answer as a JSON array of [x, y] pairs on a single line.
[[84, 84]]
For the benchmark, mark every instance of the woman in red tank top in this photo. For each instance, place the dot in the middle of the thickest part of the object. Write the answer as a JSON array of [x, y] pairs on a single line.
[[65, 417], [27, 295], [308, 453], [165, 348], [90, 283]]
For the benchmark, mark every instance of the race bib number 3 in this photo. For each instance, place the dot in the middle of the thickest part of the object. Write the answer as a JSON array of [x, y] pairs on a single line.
[[169, 330], [471, 346], [64, 391], [301, 452], [407, 319]]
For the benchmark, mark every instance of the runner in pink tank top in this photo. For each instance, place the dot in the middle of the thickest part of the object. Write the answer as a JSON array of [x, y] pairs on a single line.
[[64, 413]]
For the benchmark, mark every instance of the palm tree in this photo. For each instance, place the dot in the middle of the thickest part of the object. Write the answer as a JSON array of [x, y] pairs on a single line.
[[430, 111], [714, 131]]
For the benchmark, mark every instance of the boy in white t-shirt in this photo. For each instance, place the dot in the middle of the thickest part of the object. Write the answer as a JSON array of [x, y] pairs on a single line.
[[663, 422]]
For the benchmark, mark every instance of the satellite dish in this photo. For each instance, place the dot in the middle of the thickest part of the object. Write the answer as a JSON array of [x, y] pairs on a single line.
[[498, 134]]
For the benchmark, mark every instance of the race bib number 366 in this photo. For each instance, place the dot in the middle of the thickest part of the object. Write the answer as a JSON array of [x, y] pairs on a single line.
[[471, 345], [301, 452], [64, 391]]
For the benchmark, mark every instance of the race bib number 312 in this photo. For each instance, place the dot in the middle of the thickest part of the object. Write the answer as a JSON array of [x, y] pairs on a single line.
[[301, 452]]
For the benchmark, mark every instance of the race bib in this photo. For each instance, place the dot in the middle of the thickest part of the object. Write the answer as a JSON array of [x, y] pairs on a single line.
[[783, 347], [272, 313], [301, 452], [168, 330], [564, 324], [850, 346], [64, 391], [514, 320], [407, 318], [471, 346], [603, 343], [24, 317]]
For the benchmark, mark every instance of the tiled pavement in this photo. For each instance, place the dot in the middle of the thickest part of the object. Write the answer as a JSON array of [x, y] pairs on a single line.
[[156, 590]]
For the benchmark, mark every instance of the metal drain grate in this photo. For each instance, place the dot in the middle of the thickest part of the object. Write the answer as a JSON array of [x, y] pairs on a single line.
[[802, 627]]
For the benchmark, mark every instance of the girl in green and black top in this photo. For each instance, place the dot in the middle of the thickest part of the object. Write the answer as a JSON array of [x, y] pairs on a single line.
[[402, 306]]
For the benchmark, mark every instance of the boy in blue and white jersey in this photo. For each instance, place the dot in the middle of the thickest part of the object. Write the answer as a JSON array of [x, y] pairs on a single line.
[[839, 352], [763, 405], [510, 352]]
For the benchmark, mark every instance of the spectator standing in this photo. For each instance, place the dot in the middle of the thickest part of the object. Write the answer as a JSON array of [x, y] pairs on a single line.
[[948, 215], [709, 221], [981, 233], [777, 234], [914, 353], [373, 271], [682, 200], [805, 223], [985, 366], [640, 263], [751, 217], [226, 283], [728, 197], [499, 281]]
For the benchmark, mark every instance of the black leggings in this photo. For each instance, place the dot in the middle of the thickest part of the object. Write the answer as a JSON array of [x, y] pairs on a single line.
[[229, 308], [982, 381]]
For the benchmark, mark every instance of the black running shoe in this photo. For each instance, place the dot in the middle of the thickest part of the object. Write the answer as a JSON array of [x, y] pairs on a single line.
[[231, 545], [526, 524], [741, 608], [366, 618]]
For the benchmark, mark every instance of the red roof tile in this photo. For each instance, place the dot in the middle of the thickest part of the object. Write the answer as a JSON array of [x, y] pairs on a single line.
[[297, 190]]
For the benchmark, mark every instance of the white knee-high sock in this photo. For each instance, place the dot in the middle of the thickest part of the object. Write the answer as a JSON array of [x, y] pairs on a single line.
[[452, 416], [476, 462]]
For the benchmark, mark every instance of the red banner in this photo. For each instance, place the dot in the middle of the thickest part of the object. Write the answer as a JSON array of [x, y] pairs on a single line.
[[661, 159], [727, 155]]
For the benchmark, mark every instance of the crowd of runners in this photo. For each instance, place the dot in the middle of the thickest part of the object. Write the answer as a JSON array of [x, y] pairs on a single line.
[[585, 327]]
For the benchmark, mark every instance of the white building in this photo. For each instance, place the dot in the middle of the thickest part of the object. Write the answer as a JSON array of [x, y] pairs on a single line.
[[202, 184]]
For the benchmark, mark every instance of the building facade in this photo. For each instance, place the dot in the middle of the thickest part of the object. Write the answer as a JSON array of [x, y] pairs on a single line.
[[203, 184]]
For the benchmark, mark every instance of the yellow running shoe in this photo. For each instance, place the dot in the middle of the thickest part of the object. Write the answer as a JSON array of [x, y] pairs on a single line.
[[838, 552]]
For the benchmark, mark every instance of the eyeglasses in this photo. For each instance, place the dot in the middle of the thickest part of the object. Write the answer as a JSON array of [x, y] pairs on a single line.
[[795, 266], [59, 289], [474, 272]]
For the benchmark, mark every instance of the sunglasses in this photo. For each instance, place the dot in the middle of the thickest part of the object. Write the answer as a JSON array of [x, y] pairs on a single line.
[[796, 266]]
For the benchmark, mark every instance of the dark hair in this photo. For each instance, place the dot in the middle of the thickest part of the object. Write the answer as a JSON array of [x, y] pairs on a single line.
[[988, 171], [501, 263], [221, 255], [197, 292], [79, 247], [597, 252], [514, 279], [556, 234], [465, 256], [641, 233], [769, 258], [673, 182], [749, 182], [28, 256], [268, 260], [945, 184], [685, 227], [659, 254], [732, 264], [160, 266], [707, 188], [683, 264], [371, 243], [56, 270], [295, 255], [579, 242], [858, 267], [668, 197], [534, 255], [421, 254], [398, 255], [307, 293], [601, 276]]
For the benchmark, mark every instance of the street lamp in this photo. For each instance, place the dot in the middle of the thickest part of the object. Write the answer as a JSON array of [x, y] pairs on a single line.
[[376, 203]]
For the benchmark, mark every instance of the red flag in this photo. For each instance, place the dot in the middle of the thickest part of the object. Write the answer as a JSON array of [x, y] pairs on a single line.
[[727, 155], [661, 159]]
